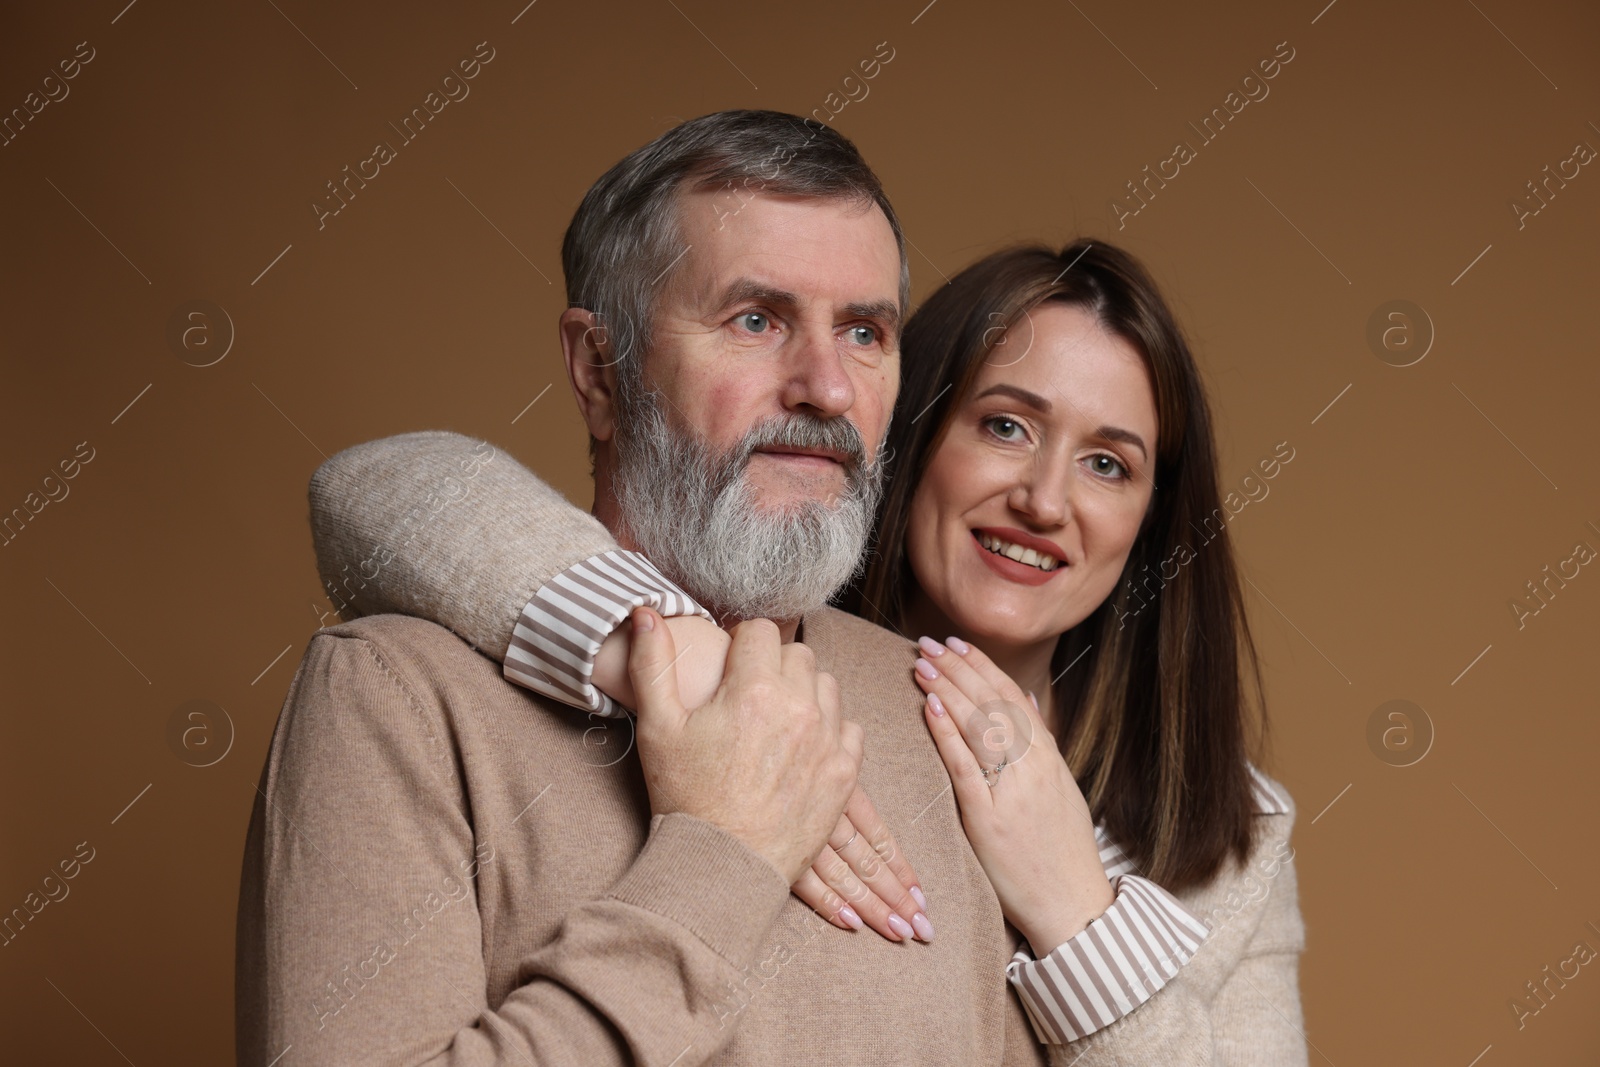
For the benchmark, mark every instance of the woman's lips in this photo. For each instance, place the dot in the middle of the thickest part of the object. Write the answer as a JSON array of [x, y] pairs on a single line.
[[1009, 568]]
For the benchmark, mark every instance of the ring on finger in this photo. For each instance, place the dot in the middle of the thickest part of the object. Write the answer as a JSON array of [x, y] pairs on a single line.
[[992, 775], [852, 837]]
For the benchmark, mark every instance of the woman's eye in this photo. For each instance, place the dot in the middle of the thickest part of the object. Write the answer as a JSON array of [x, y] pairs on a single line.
[[1107, 466], [1007, 429], [754, 321], [863, 335]]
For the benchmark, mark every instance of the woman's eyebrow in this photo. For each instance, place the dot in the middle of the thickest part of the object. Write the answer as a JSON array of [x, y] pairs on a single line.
[[1043, 405], [1116, 433], [1033, 400]]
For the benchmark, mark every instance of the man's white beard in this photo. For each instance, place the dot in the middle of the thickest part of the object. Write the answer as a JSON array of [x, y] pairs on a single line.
[[695, 514]]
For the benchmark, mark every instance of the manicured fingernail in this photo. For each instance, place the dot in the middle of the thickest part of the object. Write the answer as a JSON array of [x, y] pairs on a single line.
[[916, 895], [848, 914], [926, 669], [930, 646], [958, 644], [935, 704], [923, 927], [900, 926], [642, 621]]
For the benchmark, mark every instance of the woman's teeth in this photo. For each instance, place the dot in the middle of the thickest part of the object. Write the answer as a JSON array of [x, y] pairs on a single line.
[[1018, 553]]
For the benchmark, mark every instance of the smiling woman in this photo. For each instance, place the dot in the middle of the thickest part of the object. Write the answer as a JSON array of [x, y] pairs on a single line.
[[1062, 449], [1047, 459]]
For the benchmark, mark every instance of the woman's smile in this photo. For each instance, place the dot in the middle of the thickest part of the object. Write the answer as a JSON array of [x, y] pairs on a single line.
[[1018, 556]]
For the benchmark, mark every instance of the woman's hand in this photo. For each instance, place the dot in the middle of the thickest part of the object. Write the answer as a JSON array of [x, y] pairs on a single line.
[[1027, 822], [702, 653], [861, 878]]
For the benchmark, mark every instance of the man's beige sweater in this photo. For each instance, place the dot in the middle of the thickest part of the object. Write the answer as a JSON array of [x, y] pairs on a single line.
[[445, 868]]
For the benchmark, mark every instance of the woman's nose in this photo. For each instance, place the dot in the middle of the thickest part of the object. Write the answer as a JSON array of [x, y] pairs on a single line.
[[1044, 492]]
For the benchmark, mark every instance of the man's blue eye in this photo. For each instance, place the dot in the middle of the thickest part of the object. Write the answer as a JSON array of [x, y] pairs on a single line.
[[754, 321], [863, 335]]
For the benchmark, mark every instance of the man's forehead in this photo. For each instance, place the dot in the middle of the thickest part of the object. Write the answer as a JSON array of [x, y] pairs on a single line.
[[812, 252]]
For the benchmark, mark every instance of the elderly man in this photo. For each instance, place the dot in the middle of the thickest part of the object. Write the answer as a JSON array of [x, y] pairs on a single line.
[[440, 868]]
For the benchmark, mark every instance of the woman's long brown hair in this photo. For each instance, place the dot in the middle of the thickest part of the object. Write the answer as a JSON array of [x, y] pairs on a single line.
[[1159, 717]]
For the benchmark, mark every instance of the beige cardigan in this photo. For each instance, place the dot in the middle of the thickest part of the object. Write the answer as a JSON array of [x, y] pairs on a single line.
[[487, 522]]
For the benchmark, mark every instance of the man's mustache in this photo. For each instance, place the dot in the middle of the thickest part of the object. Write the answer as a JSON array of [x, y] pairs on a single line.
[[838, 435]]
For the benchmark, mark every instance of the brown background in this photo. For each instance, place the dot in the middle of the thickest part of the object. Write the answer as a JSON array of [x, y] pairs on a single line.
[[189, 151]]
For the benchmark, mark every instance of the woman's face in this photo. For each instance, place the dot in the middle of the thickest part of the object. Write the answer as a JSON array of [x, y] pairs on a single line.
[[1050, 457]]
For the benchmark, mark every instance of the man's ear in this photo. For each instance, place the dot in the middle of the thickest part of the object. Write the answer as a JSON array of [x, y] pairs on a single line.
[[591, 370]]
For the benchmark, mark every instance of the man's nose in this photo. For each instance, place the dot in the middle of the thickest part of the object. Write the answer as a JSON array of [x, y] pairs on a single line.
[[1044, 490], [819, 381]]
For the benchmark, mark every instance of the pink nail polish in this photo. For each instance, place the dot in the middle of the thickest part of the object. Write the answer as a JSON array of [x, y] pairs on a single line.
[[959, 645], [900, 926], [848, 914], [930, 647], [935, 704], [923, 927], [916, 895], [926, 669]]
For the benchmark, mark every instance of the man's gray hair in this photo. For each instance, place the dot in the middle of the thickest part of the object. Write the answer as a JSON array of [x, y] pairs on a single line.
[[624, 236]]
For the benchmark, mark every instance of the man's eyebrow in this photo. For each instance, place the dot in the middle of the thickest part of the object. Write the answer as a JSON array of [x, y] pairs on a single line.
[[1043, 405], [885, 313], [748, 289]]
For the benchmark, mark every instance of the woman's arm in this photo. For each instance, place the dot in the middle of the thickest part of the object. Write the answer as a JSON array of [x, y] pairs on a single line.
[[437, 525], [1121, 971], [1237, 1003], [1256, 1015], [449, 528]]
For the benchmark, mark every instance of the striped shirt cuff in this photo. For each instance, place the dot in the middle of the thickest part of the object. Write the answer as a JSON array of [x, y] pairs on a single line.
[[561, 630], [1117, 963]]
